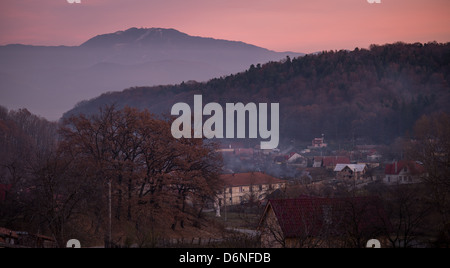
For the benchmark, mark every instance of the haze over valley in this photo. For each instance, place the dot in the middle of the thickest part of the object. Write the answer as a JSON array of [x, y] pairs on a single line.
[[51, 80]]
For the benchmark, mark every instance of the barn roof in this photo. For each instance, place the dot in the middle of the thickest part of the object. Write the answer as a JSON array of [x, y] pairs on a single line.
[[311, 216]]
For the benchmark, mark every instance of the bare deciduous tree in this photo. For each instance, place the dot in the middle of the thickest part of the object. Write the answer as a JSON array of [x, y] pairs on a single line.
[[430, 145], [152, 175]]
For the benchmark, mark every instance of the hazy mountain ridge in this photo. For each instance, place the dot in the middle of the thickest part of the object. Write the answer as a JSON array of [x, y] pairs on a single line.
[[49, 80], [162, 38], [373, 95]]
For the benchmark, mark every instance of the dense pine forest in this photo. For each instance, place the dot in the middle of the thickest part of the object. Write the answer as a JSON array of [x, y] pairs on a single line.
[[372, 95]]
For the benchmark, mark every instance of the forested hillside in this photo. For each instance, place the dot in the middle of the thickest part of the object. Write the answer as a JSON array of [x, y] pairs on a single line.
[[371, 95]]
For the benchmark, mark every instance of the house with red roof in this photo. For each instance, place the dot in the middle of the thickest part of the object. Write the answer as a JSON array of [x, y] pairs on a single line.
[[330, 162], [323, 222], [404, 172], [246, 187]]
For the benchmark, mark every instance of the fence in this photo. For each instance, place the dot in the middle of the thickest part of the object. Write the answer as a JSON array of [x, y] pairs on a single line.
[[188, 242]]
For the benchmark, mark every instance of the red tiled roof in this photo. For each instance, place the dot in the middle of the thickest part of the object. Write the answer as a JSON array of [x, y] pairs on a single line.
[[414, 168], [329, 161], [307, 216], [246, 179], [334, 160]]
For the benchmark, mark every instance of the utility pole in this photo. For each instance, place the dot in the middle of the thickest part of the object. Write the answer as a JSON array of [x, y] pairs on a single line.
[[225, 203], [109, 214]]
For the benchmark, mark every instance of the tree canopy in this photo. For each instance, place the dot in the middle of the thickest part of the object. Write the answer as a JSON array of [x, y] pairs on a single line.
[[374, 94]]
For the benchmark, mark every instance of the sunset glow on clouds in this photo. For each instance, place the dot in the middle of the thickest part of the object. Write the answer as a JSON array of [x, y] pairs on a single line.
[[281, 25]]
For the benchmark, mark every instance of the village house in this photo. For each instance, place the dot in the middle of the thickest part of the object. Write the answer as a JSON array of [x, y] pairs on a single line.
[[317, 162], [247, 187], [403, 172], [297, 160], [350, 171], [318, 143], [330, 162], [313, 222], [16, 239], [292, 159]]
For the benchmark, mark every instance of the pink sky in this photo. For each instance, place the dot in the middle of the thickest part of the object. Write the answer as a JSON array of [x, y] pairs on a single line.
[[281, 25]]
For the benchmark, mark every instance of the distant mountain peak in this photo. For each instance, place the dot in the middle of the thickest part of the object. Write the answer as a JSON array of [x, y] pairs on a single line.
[[114, 61], [160, 38], [148, 31], [135, 36]]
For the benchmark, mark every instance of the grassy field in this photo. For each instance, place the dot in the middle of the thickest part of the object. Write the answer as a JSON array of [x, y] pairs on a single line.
[[236, 219]]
